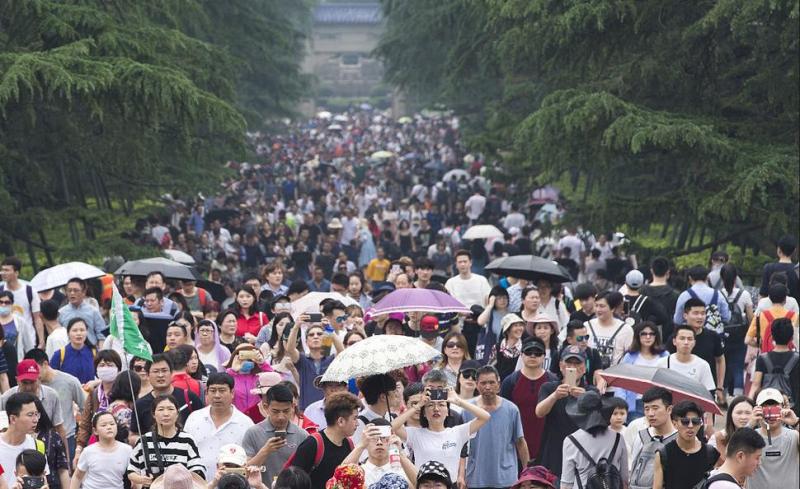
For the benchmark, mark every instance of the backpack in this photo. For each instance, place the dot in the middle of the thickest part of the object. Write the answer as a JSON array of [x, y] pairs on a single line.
[[736, 328], [319, 453], [765, 343], [605, 474], [634, 311], [642, 470], [606, 350], [713, 317], [721, 477], [778, 378]]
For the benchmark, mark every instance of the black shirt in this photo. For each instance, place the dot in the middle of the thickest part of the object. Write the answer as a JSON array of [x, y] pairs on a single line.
[[558, 425], [785, 268], [331, 458], [144, 407], [683, 470], [779, 359], [581, 316]]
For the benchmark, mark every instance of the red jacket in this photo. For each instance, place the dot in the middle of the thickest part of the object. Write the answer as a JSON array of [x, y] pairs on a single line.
[[252, 324]]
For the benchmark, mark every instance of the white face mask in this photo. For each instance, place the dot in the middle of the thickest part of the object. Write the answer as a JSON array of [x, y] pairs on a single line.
[[107, 374]]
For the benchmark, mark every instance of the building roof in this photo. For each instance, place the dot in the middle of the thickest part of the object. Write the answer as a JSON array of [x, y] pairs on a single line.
[[347, 13]]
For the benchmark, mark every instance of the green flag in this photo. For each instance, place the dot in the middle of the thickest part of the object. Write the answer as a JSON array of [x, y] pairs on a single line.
[[123, 328]]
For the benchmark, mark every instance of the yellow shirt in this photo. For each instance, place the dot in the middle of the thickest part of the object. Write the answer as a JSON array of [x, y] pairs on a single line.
[[377, 269]]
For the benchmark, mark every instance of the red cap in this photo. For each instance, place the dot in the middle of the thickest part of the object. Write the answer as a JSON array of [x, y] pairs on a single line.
[[27, 370], [429, 326]]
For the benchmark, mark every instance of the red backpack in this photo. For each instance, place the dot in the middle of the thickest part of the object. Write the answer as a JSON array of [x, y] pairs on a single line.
[[320, 452], [766, 342]]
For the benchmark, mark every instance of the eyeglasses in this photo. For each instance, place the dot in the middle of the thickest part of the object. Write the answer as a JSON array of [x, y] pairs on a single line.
[[469, 373], [452, 344], [692, 421], [533, 352], [580, 338], [206, 331], [647, 333]]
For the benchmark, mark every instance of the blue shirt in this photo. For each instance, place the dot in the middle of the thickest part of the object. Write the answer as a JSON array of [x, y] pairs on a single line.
[[308, 370], [78, 363], [705, 293], [492, 450], [324, 286], [95, 324]]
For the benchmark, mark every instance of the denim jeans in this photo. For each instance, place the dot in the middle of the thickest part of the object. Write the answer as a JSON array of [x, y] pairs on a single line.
[[734, 365]]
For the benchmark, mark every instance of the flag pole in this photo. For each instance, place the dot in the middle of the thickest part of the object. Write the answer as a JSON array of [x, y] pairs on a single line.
[[134, 396]]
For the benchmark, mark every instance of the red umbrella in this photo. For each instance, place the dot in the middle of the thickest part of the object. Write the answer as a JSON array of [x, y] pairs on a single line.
[[636, 378]]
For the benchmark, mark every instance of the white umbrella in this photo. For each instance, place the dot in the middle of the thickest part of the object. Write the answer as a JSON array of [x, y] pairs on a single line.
[[335, 127], [340, 118], [482, 231], [324, 114], [180, 257], [378, 355], [59, 275], [310, 302], [455, 175]]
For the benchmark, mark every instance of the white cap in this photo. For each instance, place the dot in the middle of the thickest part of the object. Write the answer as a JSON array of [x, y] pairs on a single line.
[[232, 454], [769, 394]]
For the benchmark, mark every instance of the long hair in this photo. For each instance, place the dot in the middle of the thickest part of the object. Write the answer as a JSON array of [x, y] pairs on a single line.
[[731, 428], [462, 343], [636, 344], [253, 308], [728, 275]]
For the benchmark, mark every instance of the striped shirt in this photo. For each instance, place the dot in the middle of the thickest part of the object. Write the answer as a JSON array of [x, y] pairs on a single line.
[[180, 449]]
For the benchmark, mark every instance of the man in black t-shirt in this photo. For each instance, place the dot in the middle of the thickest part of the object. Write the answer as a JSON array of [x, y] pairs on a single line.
[[341, 414], [778, 359], [160, 373], [786, 248], [552, 405]]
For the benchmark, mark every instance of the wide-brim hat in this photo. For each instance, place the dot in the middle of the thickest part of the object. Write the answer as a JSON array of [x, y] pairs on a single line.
[[162, 482], [508, 320], [590, 410]]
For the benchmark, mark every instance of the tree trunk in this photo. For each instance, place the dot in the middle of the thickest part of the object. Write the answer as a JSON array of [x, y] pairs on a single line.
[[47, 253], [73, 230], [32, 256], [683, 235], [665, 230]]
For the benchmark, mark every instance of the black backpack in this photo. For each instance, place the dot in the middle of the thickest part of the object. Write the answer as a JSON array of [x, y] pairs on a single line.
[[605, 474], [706, 483], [779, 378], [736, 328]]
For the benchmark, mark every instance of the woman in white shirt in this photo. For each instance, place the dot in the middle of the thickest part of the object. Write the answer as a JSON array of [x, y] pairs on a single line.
[[432, 441], [552, 305], [645, 351]]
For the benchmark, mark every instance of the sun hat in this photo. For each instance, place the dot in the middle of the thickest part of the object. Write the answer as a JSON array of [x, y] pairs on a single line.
[[508, 320], [178, 477], [539, 474], [590, 410]]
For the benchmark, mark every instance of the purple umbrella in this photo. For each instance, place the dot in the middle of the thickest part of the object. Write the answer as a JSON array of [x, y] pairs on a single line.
[[418, 300]]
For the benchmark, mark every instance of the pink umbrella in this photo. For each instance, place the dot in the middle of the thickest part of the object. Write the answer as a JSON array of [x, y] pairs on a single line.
[[418, 300]]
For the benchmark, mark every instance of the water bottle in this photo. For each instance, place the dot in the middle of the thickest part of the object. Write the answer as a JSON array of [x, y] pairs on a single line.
[[394, 456], [327, 340]]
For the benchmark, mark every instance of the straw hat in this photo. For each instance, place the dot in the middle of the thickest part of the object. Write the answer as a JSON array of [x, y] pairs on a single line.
[[178, 477]]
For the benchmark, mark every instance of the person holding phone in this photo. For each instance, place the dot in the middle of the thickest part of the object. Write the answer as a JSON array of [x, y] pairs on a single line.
[[778, 425], [433, 441], [309, 366], [244, 366], [377, 439]]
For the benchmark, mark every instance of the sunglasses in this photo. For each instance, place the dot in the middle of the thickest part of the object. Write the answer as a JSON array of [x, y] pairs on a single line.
[[647, 333], [138, 368], [6, 303], [692, 421], [452, 344], [533, 352], [312, 335], [469, 373], [351, 343], [580, 338]]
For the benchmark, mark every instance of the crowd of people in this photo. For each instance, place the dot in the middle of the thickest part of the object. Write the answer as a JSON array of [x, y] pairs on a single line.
[[297, 250]]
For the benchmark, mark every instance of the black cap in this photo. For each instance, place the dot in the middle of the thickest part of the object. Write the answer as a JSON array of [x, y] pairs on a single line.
[[534, 342]]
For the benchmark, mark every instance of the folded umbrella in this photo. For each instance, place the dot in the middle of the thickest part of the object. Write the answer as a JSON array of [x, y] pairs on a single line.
[[418, 300], [170, 269], [59, 275], [637, 378], [529, 267], [378, 355]]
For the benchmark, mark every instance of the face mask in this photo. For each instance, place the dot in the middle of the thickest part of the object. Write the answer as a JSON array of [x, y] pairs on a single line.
[[5, 311], [247, 367], [107, 374]]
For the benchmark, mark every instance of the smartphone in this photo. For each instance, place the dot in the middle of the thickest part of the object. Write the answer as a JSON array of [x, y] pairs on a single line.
[[571, 376], [287, 330], [396, 269], [32, 482], [438, 394], [314, 317], [248, 354], [772, 412], [384, 431], [280, 434]]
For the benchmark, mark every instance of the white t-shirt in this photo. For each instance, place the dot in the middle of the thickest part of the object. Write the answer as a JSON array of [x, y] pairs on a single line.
[[373, 473], [55, 341], [104, 470], [575, 245], [474, 290], [722, 484], [697, 369], [443, 446], [475, 206], [21, 305], [602, 340], [8, 457], [209, 358]]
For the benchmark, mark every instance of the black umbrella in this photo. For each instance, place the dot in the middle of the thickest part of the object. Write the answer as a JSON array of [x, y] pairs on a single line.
[[170, 269], [529, 267], [216, 290]]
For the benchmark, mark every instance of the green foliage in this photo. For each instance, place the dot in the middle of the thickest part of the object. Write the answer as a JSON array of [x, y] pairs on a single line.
[[676, 113], [103, 103]]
